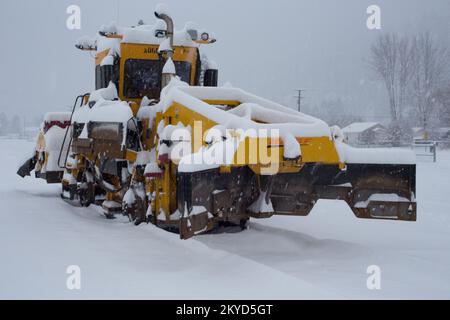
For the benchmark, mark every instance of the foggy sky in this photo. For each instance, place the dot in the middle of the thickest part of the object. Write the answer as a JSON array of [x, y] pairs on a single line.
[[269, 48]]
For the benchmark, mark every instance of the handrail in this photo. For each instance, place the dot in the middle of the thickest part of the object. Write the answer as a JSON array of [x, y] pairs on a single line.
[[67, 131]]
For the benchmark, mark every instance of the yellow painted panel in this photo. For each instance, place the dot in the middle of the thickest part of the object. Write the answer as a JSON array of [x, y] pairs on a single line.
[[178, 113], [233, 103], [319, 150], [258, 151]]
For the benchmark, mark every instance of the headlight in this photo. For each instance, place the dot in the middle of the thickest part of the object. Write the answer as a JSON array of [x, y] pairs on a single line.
[[205, 36]]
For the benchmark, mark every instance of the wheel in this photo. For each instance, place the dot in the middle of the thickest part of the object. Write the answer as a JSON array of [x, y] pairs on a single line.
[[244, 224], [86, 190], [136, 209]]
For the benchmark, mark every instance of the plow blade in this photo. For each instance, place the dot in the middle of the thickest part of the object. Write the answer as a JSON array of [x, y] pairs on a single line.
[[386, 192], [375, 191], [26, 169], [195, 224]]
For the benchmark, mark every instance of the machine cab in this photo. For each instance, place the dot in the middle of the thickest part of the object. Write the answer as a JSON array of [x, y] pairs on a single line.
[[133, 58]]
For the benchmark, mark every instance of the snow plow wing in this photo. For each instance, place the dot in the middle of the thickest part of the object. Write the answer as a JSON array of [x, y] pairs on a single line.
[[371, 191], [26, 169]]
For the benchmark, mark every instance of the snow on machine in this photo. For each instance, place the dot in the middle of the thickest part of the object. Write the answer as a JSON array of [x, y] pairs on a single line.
[[160, 142], [49, 144]]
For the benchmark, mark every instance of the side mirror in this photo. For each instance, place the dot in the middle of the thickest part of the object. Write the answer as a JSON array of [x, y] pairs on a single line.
[[193, 34]]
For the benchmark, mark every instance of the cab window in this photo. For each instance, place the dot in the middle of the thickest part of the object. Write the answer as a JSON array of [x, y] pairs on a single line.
[[183, 70], [142, 78]]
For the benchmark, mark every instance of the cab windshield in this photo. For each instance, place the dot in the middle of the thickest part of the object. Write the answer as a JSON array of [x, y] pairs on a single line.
[[143, 77]]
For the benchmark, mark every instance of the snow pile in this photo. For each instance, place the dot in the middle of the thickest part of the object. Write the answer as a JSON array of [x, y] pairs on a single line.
[[152, 169], [111, 205], [323, 256], [261, 205], [54, 138], [380, 197], [145, 157], [110, 111], [110, 28], [337, 134], [147, 112], [219, 154], [104, 111], [291, 147], [129, 198], [162, 8], [175, 141], [169, 67], [108, 93], [256, 109], [113, 45], [146, 34], [212, 65], [359, 127], [310, 248], [86, 43], [160, 25], [69, 178], [197, 210], [217, 134], [57, 117], [253, 117], [165, 46], [142, 34], [81, 115], [107, 61], [229, 92], [167, 132], [351, 155], [145, 102]]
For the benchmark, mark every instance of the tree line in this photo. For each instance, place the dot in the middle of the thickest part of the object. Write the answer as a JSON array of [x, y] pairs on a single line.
[[15, 124], [415, 73]]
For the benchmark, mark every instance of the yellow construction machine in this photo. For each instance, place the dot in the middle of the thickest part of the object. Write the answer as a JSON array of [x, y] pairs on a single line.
[[160, 142]]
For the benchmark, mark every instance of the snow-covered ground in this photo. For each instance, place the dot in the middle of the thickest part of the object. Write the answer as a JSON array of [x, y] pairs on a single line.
[[325, 255]]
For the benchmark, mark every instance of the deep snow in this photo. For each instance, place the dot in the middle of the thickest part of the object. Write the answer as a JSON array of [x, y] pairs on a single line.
[[322, 256]]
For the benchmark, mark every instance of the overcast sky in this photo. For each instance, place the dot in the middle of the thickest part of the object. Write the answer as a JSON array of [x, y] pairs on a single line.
[[267, 47]]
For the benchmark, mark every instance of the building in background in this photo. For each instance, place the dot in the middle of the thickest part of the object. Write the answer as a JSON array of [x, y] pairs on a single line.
[[365, 133]]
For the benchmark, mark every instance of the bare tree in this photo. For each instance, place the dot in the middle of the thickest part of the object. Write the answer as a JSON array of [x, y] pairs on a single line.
[[443, 98], [406, 54], [333, 111], [391, 60], [430, 63]]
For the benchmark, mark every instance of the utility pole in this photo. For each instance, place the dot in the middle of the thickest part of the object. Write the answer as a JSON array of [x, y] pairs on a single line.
[[299, 99]]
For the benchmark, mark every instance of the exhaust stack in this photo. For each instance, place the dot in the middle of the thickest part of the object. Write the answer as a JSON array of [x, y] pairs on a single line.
[[168, 71]]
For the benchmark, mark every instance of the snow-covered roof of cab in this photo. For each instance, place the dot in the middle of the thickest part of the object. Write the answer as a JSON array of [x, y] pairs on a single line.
[[142, 34], [57, 117], [106, 108], [147, 34], [252, 113]]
